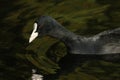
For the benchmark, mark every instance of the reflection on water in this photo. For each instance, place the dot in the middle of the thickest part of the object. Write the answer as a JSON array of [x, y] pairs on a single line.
[[36, 76]]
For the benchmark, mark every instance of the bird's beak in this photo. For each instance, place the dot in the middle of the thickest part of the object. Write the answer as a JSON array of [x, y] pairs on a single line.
[[34, 33], [33, 36]]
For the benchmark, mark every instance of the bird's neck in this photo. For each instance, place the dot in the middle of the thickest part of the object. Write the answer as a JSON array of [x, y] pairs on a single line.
[[62, 34]]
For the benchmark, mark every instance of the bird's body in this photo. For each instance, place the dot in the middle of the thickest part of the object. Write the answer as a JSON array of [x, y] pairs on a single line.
[[104, 45], [91, 45], [107, 42]]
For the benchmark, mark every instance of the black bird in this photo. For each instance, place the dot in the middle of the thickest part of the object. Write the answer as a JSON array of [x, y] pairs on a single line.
[[79, 48], [107, 42]]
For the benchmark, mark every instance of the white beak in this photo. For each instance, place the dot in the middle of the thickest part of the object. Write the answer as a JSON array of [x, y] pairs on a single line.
[[34, 33]]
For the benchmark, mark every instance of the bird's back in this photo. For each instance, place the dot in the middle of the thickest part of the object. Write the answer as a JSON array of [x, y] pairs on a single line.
[[83, 45], [87, 45]]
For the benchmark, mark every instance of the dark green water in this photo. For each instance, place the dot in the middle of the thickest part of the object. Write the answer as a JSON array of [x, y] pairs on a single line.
[[18, 57]]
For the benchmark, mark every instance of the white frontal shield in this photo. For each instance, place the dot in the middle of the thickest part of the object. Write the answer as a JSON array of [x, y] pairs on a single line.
[[34, 33]]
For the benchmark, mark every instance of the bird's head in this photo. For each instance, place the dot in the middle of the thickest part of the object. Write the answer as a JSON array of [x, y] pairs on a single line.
[[42, 26]]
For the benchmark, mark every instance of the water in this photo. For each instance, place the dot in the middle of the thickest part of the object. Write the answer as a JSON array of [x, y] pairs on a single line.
[[16, 19]]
